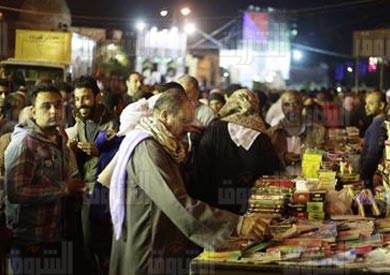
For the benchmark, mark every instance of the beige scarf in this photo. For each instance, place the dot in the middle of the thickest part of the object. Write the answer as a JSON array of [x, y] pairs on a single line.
[[161, 134], [242, 108]]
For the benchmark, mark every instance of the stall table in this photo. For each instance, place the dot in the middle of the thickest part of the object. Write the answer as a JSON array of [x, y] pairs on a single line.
[[210, 267]]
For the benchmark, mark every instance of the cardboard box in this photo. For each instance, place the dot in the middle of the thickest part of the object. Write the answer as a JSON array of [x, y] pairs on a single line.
[[301, 197], [315, 207], [317, 196], [316, 216], [301, 216], [298, 208]]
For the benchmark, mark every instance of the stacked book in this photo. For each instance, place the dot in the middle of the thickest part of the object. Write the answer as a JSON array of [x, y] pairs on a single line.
[[382, 226], [309, 205], [312, 240], [337, 135], [356, 232], [349, 134], [270, 196], [352, 135]]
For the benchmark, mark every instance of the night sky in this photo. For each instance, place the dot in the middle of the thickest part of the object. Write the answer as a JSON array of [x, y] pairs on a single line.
[[322, 24]]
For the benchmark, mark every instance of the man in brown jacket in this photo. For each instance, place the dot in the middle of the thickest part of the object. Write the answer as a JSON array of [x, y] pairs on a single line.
[[294, 130]]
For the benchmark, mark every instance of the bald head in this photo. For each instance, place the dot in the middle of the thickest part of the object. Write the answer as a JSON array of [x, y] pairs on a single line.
[[292, 105], [191, 87], [174, 109], [379, 96], [291, 94]]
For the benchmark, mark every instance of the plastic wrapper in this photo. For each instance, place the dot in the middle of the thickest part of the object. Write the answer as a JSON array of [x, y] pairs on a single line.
[[379, 255], [366, 206], [339, 202]]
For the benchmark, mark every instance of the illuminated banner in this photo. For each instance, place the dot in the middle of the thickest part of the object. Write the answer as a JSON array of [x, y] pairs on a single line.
[[162, 44], [160, 51], [256, 26], [263, 54], [46, 46], [372, 43]]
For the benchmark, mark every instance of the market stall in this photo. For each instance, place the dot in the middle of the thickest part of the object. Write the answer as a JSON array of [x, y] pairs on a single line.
[[322, 221], [208, 267]]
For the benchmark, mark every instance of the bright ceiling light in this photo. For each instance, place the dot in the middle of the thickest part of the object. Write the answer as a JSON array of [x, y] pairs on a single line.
[[185, 11], [140, 25], [190, 28], [164, 12], [294, 32], [297, 55]]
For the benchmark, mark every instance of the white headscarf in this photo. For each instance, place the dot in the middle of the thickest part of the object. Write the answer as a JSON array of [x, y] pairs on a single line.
[[134, 112], [130, 117]]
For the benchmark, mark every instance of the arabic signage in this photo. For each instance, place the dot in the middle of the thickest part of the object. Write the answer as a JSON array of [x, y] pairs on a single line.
[[46, 46], [374, 43]]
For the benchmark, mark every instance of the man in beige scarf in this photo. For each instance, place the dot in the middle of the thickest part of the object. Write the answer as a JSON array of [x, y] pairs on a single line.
[[160, 218]]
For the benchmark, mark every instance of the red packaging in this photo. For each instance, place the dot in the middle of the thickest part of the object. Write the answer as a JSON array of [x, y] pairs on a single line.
[[301, 197], [301, 215]]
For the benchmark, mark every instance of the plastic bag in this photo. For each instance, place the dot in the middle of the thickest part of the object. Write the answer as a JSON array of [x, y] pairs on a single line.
[[366, 206], [339, 202]]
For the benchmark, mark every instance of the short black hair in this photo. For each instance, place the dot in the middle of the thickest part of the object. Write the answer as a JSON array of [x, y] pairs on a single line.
[[135, 72], [110, 100], [4, 82], [66, 87], [87, 82], [218, 97], [42, 88], [171, 100], [232, 88], [11, 100], [172, 85]]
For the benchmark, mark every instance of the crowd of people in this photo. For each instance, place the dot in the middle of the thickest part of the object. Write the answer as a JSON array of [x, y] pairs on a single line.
[[112, 177]]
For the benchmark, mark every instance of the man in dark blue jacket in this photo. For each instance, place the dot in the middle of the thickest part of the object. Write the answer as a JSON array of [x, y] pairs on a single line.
[[373, 145]]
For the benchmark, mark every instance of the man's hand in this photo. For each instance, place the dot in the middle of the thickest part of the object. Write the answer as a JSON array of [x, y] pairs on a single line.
[[73, 144], [110, 134], [377, 180], [76, 187], [291, 158], [253, 226], [89, 148]]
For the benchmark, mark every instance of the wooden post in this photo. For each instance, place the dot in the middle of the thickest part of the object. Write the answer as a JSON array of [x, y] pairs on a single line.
[[381, 74], [357, 74]]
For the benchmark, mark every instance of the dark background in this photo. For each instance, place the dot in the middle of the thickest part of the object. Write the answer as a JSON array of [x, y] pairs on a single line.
[[321, 24]]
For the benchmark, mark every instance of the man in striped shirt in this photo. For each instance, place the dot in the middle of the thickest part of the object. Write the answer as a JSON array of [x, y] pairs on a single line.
[[38, 180]]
